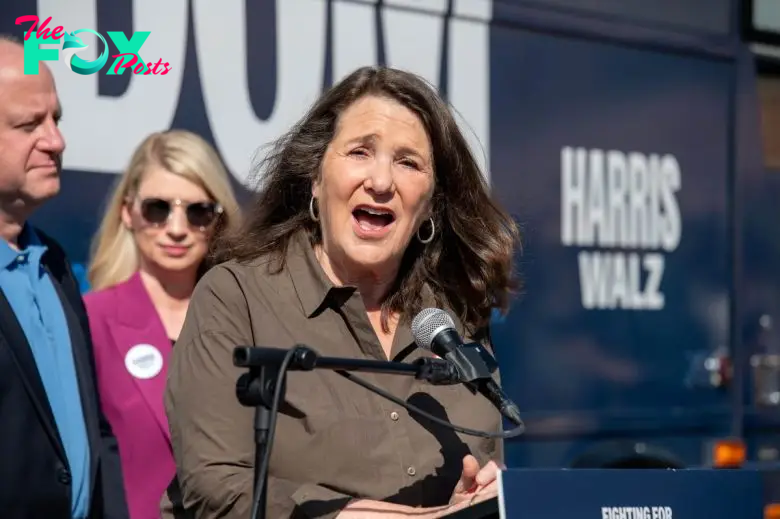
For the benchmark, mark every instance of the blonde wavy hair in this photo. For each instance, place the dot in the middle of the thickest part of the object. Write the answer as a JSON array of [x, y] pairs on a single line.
[[114, 253]]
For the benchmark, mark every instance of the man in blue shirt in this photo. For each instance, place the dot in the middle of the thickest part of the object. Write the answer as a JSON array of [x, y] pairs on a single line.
[[59, 457]]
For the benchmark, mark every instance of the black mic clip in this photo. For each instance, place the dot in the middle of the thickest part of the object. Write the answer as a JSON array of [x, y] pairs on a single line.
[[472, 362], [438, 372]]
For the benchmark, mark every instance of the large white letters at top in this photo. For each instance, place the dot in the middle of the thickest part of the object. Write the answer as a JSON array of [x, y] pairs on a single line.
[[468, 74], [220, 32], [354, 36], [413, 40], [101, 132]]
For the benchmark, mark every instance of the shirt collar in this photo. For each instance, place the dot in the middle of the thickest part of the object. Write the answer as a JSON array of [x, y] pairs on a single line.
[[316, 292], [28, 240], [314, 289]]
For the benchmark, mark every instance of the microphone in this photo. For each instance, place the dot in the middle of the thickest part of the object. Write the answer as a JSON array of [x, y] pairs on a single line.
[[434, 330]]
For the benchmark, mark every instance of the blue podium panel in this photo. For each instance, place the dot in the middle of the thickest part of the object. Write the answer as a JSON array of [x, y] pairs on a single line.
[[630, 494]]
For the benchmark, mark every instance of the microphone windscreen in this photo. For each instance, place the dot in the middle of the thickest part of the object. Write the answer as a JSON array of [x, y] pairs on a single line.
[[428, 324]]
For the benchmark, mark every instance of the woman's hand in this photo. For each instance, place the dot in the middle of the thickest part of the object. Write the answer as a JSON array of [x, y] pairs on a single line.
[[484, 493], [475, 481], [365, 509], [475, 485]]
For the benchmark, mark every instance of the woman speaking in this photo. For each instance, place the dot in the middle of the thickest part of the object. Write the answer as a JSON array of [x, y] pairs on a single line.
[[370, 209]]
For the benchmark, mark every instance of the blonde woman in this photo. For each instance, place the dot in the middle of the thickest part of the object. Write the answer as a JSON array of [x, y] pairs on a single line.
[[172, 202]]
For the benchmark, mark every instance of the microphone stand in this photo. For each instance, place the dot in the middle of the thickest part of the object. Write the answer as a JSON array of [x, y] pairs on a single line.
[[257, 388]]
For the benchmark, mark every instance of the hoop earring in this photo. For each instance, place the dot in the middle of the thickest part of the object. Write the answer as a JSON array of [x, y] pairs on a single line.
[[314, 217], [429, 239]]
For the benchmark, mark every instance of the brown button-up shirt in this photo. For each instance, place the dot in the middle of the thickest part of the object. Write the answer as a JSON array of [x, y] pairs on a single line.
[[336, 441]]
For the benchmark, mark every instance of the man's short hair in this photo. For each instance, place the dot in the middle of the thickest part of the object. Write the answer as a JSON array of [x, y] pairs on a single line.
[[10, 38]]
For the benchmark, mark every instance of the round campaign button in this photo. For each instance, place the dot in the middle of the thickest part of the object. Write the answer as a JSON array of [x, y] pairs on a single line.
[[144, 361]]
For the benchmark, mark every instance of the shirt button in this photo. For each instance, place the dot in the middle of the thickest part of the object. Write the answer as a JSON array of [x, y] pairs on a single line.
[[411, 471], [394, 416], [63, 476], [20, 258]]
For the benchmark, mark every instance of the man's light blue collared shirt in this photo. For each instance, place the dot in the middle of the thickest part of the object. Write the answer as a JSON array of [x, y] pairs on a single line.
[[33, 298]]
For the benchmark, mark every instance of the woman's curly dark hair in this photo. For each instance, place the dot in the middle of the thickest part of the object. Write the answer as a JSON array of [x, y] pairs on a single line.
[[469, 263]]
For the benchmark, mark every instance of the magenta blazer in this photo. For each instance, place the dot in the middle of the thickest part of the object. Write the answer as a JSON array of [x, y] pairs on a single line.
[[131, 356]]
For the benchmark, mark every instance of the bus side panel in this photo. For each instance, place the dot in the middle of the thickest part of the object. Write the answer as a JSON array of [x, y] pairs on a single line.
[[616, 162]]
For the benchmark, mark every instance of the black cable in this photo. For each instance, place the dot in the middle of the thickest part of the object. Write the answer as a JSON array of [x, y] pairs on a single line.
[[263, 472], [274, 411], [517, 431]]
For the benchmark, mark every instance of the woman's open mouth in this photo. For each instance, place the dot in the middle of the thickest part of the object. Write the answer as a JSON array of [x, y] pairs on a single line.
[[372, 221]]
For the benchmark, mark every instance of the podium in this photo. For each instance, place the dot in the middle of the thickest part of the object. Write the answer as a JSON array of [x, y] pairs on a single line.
[[623, 494]]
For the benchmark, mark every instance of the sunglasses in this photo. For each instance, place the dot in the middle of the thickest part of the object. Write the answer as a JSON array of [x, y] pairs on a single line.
[[157, 211]]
